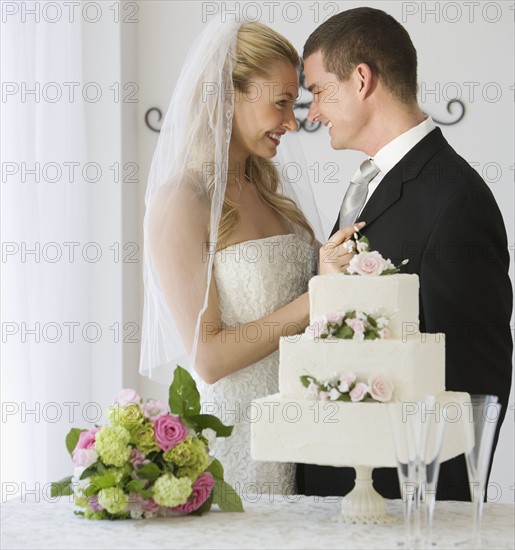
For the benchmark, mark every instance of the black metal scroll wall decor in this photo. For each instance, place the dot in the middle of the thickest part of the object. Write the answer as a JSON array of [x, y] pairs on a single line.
[[308, 126]]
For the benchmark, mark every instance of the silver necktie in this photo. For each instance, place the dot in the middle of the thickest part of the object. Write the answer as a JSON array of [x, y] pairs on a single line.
[[357, 192]]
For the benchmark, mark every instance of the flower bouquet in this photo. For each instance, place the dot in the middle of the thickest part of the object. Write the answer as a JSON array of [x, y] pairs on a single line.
[[367, 261], [150, 459]]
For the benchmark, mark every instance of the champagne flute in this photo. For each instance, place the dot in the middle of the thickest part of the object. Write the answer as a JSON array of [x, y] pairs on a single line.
[[430, 450], [484, 414], [417, 430]]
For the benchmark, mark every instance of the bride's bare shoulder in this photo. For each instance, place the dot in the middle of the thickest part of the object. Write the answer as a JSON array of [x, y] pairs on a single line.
[[178, 205]]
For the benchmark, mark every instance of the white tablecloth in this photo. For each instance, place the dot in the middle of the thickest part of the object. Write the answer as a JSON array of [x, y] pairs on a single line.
[[280, 523]]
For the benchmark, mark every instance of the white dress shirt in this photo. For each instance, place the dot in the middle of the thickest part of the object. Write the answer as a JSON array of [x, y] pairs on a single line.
[[389, 155]]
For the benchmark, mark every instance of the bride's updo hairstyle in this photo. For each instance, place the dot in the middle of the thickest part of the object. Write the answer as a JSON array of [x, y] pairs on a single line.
[[259, 47]]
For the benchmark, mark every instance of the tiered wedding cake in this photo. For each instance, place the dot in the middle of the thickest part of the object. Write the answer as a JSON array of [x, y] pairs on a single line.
[[361, 350]]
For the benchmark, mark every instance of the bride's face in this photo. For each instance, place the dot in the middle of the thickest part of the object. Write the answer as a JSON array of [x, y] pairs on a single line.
[[264, 113]]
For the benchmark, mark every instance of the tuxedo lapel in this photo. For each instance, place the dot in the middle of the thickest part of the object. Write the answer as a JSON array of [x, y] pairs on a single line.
[[409, 167]]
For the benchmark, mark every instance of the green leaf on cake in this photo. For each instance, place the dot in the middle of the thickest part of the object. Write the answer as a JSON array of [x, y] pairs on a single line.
[[344, 332], [184, 398], [306, 380]]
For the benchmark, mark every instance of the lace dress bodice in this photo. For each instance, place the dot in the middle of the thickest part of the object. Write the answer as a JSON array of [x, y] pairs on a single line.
[[254, 279]]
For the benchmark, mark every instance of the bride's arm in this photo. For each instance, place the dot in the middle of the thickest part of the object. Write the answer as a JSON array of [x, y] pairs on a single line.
[[178, 238], [224, 350]]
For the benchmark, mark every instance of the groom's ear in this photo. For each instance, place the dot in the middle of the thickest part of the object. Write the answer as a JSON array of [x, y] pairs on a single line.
[[364, 78]]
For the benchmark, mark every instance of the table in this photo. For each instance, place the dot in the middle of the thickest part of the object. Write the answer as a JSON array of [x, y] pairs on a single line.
[[270, 522]]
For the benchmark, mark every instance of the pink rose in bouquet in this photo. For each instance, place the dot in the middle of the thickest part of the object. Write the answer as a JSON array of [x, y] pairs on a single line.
[[200, 493], [169, 431], [84, 453], [127, 395], [154, 409]]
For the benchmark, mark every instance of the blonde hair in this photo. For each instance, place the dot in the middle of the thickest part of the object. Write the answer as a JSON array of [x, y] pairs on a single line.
[[258, 46]]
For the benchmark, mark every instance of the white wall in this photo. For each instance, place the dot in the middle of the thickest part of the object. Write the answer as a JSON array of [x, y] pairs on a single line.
[[464, 50]]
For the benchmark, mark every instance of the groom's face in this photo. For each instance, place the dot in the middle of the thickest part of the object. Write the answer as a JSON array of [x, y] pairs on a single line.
[[335, 103]]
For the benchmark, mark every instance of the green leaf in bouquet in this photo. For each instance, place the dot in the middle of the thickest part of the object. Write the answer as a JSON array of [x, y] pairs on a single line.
[[73, 438], [104, 481], [226, 497], [149, 471], [216, 469], [203, 421], [137, 486], [62, 487], [184, 398], [90, 470]]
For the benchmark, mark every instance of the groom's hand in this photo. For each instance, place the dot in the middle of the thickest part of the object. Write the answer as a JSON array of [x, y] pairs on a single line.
[[334, 256]]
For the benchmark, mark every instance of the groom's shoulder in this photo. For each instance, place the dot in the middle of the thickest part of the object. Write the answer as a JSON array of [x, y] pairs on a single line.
[[447, 172]]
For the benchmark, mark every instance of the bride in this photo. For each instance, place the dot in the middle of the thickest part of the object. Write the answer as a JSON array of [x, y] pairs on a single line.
[[229, 250]]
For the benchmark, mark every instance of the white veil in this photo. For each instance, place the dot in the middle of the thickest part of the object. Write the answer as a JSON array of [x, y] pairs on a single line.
[[184, 201]]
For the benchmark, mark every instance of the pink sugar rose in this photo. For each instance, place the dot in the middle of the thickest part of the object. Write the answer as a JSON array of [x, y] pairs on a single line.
[[334, 317], [127, 395], [359, 392], [200, 493], [345, 381], [169, 431], [357, 325], [316, 328], [323, 396], [312, 389], [381, 389], [367, 263], [154, 409], [384, 333]]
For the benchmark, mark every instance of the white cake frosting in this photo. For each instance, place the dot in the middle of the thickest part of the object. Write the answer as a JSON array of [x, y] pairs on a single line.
[[296, 428], [395, 294], [416, 366]]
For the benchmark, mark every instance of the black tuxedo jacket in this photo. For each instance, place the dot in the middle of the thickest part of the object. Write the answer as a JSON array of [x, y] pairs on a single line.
[[435, 210]]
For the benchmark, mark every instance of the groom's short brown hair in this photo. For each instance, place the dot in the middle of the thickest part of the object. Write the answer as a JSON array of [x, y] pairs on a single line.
[[371, 36]]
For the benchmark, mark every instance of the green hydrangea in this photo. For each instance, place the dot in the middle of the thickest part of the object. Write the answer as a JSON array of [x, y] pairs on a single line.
[[81, 501], [89, 514], [191, 456], [111, 443], [114, 500], [129, 416], [143, 438], [171, 491]]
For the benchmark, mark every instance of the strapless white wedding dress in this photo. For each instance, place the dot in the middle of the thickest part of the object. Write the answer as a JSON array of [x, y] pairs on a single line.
[[254, 279]]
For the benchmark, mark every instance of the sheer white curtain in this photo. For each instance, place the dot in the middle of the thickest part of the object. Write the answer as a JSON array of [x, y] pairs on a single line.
[[45, 373]]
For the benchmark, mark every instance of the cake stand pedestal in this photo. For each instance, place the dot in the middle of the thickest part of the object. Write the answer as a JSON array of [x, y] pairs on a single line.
[[364, 504]]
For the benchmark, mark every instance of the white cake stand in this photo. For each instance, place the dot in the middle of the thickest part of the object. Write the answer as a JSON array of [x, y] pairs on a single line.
[[364, 504]]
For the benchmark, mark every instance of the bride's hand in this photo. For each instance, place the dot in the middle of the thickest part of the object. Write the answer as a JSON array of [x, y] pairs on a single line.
[[333, 256]]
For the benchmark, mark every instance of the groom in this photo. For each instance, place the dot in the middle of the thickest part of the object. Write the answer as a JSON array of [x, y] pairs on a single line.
[[422, 201]]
